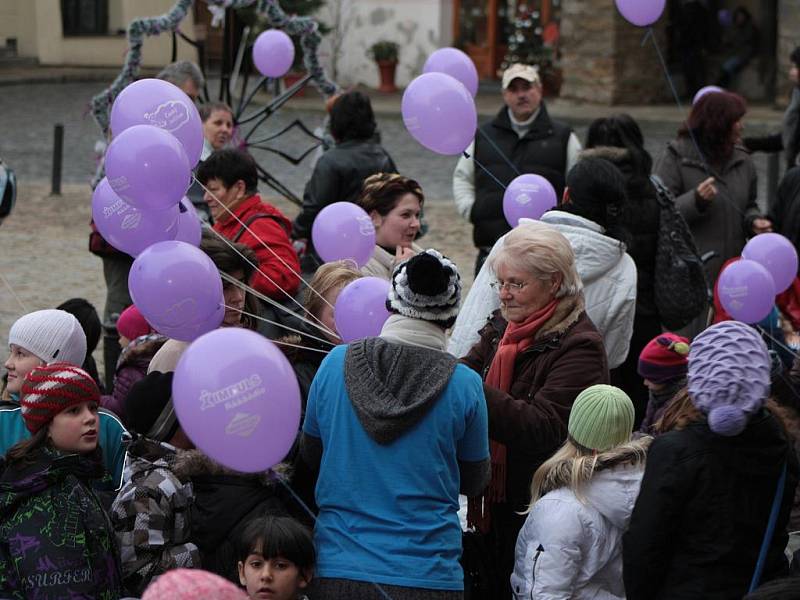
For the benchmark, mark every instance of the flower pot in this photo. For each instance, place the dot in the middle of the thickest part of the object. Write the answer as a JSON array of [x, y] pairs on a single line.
[[293, 77], [387, 69]]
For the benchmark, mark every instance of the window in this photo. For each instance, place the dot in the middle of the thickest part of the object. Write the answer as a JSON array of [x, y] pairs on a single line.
[[84, 17]]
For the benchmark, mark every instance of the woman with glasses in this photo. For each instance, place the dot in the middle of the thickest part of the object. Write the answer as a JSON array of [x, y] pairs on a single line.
[[536, 354]]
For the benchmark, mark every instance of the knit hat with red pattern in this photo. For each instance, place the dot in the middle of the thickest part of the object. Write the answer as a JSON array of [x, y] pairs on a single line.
[[191, 584], [665, 357], [51, 389]]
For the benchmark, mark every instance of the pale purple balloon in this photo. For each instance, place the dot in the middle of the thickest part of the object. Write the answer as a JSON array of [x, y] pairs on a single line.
[[455, 63], [777, 255], [130, 229], [147, 167], [273, 53], [188, 229], [439, 112], [236, 396], [709, 89], [164, 105], [641, 13], [343, 230], [178, 289], [529, 196], [746, 291], [360, 310]]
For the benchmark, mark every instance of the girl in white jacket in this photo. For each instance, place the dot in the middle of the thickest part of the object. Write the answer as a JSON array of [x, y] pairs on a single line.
[[581, 502]]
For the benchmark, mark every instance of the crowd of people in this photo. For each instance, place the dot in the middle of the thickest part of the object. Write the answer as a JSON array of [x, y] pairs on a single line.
[[548, 437]]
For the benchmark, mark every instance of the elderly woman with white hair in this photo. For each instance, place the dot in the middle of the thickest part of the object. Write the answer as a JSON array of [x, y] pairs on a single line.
[[536, 354]]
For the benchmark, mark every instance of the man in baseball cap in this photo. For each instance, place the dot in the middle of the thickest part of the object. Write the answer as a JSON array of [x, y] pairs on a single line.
[[523, 135]]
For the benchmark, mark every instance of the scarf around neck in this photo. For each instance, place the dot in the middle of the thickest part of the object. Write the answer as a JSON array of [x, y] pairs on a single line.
[[415, 332]]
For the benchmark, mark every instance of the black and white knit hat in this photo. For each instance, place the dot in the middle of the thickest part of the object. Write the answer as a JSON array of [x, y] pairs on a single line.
[[427, 286]]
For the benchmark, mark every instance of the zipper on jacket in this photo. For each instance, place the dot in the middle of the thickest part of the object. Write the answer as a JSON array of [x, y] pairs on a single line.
[[539, 550]]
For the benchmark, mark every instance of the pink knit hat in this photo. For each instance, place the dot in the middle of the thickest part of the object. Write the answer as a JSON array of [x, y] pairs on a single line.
[[192, 584], [131, 324]]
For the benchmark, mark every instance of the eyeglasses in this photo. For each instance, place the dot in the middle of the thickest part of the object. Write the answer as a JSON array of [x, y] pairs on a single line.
[[514, 288]]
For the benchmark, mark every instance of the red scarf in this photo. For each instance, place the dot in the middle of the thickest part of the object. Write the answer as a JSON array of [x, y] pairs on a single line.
[[517, 338]]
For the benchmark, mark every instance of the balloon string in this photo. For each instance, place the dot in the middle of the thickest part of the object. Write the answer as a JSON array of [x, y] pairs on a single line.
[[276, 304], [250, 231], [262, 296], [281, 325], [13, 293], [776, 342], [304, 506], [497, 149], [487, 171]]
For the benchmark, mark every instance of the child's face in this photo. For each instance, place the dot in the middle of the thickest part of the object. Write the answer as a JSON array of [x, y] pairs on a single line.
[[274, 578], [75, 429], [20, 362]]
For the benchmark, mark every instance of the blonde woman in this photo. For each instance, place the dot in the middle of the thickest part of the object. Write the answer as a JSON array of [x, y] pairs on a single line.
[[581, 502], [394, 203]]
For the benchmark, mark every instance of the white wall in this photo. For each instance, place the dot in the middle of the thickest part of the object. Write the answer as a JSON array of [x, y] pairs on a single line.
[[419, 26], [9, 22]]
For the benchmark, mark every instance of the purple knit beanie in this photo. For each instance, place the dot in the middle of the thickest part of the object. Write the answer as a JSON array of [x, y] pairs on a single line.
[[728, 375]]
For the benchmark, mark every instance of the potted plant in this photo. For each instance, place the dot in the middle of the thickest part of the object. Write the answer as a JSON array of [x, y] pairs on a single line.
[[385, 53]]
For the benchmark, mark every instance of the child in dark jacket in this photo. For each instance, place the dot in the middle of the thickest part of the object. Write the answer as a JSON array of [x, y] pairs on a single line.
[[56, 540], [662, 365]]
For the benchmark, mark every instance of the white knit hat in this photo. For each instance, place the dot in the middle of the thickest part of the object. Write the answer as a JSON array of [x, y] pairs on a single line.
[[52, 335]]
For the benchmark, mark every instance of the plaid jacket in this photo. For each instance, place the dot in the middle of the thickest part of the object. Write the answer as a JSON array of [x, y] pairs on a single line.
[[151, 516]]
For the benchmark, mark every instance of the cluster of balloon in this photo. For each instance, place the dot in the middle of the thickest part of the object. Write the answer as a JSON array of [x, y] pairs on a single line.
[[747, 287], [237, 398], [273, 53], [344, 231], [641, 13]]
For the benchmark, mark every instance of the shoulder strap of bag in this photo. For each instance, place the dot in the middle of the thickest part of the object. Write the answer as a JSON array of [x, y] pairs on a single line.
[[663, 193], [773, 517], [253, 218]]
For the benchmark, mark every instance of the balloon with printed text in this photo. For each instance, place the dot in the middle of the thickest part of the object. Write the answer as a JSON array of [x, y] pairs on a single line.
[[344, 231], [237, 398], [528, 196]]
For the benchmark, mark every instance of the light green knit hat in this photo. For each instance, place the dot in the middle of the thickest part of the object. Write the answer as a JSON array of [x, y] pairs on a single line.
[[601, 418]]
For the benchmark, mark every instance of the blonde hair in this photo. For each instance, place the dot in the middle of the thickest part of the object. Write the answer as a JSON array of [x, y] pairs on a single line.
[[543, 252], [328, 277]]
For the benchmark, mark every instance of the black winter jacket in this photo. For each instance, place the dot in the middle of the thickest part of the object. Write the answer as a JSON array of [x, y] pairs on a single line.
[[699, 520], [542, 150], [785, 211]]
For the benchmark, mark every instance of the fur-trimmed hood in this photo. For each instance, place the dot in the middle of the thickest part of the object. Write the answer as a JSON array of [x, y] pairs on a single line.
[[611, 153], [193, 463]]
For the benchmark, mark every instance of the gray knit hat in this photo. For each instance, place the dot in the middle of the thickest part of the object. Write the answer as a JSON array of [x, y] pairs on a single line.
[[52, 335], [427, 286]]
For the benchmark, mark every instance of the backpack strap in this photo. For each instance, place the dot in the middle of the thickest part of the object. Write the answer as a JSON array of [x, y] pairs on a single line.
[[664, 195], [255, 217]]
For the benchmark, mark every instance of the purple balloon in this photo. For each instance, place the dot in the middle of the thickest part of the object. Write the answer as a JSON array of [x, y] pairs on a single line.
[[177, 289], [188, 229], [237, 398], [709, 89], [164, 105], [455, 63], [439, 113], [343, 230], [641, 13], [127, 228], [528, 196], [746, 291], [273, 53], [360, 310], [777, 255], [147, 167]]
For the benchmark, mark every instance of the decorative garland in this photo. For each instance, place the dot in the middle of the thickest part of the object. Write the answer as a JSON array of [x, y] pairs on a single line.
[[305, 27]]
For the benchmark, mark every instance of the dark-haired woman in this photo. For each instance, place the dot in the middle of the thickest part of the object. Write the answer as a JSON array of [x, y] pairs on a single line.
[[394, 203], [341, 171], [714, 179], [619, 139]]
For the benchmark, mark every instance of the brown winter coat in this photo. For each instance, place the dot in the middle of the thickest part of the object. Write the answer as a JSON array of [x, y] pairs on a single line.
[[724, 225], [567, 357]]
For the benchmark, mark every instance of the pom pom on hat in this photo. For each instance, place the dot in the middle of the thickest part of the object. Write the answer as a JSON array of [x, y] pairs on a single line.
[[52, 335], [665, 357], [51, 389], [601, 418], [729, 375], [192, 584], [132, 324], [427, 286]]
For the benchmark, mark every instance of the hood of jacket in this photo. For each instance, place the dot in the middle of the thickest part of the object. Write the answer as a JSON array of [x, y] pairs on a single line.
[[392, 386], [148, 455], [596, 254], [614, 484]]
